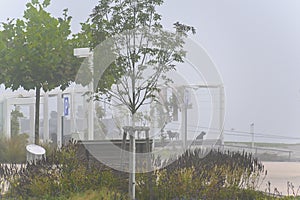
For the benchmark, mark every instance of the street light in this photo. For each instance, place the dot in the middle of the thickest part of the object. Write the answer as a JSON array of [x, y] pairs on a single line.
[[86, 53], [82, 52], [186, 101], [252, 133]]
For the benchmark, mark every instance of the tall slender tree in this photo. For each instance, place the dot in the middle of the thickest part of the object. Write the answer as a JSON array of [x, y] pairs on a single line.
[[145, 53], [37, 53]]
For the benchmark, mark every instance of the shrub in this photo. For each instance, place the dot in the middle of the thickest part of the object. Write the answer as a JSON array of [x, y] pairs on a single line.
[[66, 174], [103, 193], [59, 175], [219, 175], [13, 150]]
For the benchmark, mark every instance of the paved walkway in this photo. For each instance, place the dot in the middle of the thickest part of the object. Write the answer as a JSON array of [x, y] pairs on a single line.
[[279, 173]]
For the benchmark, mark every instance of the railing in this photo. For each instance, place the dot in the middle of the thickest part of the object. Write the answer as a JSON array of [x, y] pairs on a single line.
[[216, 144], [255, 150]]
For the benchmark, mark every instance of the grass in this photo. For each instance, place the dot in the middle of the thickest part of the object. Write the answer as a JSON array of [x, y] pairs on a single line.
[[103, 194]]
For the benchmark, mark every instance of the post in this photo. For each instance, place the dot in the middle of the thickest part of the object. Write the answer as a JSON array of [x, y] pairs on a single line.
[[91, 103], [59, 121], [185, 127], [86, 53], [222, 108], [132, 164], [152, 132], [62, 130], [252, 134], [185, 117], [72, 112], [46, 118], [148, 150], [31, 119], [7, 122], [123, 147]]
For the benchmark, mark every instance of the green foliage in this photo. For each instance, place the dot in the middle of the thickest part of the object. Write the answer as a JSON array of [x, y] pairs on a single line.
[[141, 47], [36, 52], [218, 175], [13, 150], [103, 193], [66, 174], [60, 175], [111, 17]]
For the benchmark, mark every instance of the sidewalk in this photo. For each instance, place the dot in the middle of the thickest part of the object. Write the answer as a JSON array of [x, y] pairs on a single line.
[[279, 173]]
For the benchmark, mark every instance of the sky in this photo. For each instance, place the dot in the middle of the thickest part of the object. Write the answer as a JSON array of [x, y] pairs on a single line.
[[254, 44]]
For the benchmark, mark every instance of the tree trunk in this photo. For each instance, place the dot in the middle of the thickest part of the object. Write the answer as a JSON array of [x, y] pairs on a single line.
[[123, 148], [37, 115], [132, 158]]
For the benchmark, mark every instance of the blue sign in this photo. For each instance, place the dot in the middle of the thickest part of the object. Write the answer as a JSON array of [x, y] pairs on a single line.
[[66, 106]]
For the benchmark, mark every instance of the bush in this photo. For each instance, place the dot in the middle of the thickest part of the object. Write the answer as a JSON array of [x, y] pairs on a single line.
[[58, 176], [66, 174], [219, 175], [13, 150], [103, 193]]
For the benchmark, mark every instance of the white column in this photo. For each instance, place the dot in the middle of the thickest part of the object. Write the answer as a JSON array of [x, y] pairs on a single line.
[[91, 120], [152, 127], [86, 53], [46, 118], [72, 112], [6, 122], [185, 116], [31, 119], [59, 115], [91, 106]]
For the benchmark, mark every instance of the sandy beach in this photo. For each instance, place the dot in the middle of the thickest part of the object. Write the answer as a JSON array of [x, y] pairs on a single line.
[[279, 173]]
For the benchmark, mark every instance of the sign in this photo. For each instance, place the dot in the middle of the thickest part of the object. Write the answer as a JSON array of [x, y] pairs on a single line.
[[187, 97], [66, 106]]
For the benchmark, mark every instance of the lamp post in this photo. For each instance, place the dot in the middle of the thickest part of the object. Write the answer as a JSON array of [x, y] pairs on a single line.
[[252, 133], [86, 53], [186, 101]]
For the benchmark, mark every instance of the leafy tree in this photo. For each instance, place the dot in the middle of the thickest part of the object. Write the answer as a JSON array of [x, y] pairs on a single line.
[[145, 53], [36, 53]]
